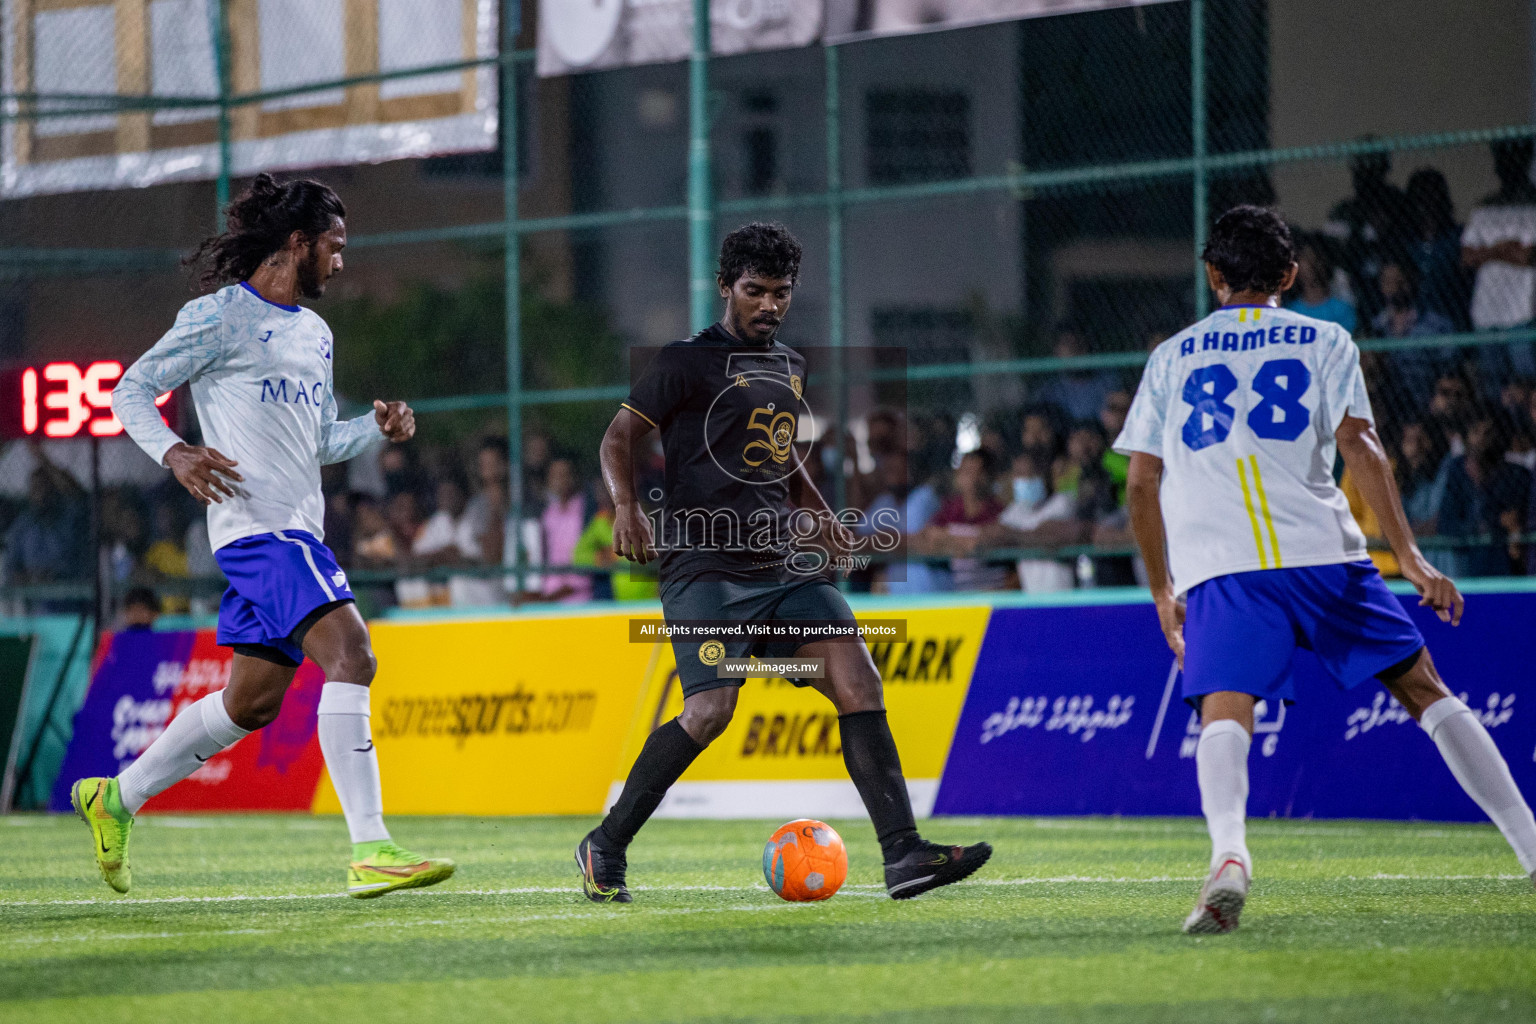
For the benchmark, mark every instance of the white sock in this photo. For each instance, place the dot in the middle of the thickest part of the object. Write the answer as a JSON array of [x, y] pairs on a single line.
[[1482, 772], [347, 743], [1221, 761], [201, 730]]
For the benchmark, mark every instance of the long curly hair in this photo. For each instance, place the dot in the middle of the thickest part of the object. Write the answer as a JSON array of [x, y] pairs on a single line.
[[259, 222]]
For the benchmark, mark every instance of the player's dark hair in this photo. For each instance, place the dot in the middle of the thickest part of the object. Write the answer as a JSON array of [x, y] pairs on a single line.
[[1252, 248], [768, 250], [988, 466], [259, 222], [1430, 196], [1403, 469], [1512, 159], [1321, 252], [142, 597], [1093, 427], [1409, 270], [1500, 431]]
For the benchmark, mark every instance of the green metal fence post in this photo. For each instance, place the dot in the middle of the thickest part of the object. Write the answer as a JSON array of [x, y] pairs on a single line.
[[511, 14], [220, 32], [701, 228], [1197, 114], [835, 328]]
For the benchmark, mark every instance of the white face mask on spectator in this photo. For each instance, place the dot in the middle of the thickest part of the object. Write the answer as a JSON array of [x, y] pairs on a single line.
[[1028, 491]]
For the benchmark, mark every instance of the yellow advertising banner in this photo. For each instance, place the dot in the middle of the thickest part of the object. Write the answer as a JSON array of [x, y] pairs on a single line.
[[508, 716], [782, 748]]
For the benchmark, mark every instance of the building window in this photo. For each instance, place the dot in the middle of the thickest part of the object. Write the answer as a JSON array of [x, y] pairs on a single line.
[[917, 135], [759, 142], [760, 160]]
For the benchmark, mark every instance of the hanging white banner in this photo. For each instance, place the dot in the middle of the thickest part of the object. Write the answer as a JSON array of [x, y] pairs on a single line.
[[77, 50], [585, 35], [849, 20]]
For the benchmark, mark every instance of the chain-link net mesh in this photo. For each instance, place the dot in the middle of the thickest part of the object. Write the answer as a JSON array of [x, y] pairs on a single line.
[[1016, 207]]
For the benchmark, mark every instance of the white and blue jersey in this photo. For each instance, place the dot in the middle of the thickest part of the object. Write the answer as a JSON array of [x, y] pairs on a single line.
[[262, 384], [1242, 409]]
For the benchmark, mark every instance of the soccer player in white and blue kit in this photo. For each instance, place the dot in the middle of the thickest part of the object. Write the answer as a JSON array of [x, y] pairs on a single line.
[[1251, 550], [260, 369]]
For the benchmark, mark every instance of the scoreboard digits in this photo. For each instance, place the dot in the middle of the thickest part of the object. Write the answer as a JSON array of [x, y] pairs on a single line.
[[64, 399]]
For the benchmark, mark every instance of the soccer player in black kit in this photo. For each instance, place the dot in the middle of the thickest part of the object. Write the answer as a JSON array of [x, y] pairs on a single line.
[[728, 402]]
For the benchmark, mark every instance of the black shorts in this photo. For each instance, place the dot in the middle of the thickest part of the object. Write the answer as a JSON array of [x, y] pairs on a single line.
[[813, 599]]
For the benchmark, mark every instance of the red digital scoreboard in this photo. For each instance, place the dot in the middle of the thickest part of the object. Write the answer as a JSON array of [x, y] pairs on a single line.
[[65, 399]]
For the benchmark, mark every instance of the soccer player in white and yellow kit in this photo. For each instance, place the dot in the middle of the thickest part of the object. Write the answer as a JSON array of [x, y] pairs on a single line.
[[1251, 550]]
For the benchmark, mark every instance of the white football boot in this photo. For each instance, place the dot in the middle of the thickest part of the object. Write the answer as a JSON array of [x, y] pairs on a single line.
[[1221, 899]]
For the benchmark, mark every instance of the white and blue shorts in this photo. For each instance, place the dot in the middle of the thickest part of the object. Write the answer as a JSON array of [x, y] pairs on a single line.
[[1242, 630], [280, 584]]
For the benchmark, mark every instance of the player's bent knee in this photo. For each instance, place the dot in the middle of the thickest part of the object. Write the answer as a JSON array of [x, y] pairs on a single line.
[[706, 727], [706, 715], [869, 685], [261, 717], [863, 693], [256, 712], [1417, 686], [356, 666], [853, 683]]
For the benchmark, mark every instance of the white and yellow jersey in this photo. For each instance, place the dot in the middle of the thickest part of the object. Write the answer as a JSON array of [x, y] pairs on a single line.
[[1242, 409]]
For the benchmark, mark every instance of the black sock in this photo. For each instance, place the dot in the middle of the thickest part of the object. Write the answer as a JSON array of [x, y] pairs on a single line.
[[869, 751], [667, 753]]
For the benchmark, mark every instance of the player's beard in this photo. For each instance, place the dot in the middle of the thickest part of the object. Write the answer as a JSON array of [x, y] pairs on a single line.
[[749, 330], [310, 284]]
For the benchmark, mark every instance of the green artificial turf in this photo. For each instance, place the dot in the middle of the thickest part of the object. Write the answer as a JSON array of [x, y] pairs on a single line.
[[240, 918]]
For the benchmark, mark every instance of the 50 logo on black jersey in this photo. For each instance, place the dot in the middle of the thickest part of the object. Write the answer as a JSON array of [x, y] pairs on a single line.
[[780, 430], [755, 419]]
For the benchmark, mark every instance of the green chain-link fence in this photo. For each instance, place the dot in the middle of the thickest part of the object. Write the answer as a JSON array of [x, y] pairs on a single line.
[[1018, 206]]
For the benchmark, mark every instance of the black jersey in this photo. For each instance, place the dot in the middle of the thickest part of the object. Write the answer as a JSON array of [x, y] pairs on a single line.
[[729, 414]]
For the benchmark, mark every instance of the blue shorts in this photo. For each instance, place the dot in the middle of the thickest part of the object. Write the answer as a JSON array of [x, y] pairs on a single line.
[[276, 580], [1241, 630]]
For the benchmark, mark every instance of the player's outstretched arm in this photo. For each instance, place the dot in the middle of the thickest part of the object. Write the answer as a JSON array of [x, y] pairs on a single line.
[[632, 537], [1510, 250], [341, 440], [395, 420], [1367, 462], [1142, 485], [189, 347], [206, 473], [803, 493]]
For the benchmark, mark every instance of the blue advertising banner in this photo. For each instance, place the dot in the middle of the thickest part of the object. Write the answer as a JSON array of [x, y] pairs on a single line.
[[142, 680], [1077, 710], [129, 703]]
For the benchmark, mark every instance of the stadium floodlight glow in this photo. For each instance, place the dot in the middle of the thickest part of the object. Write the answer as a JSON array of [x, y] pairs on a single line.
[[65, 399]]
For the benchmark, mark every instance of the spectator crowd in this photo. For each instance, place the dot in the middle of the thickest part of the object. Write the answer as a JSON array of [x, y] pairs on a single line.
[[1033, 499]]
